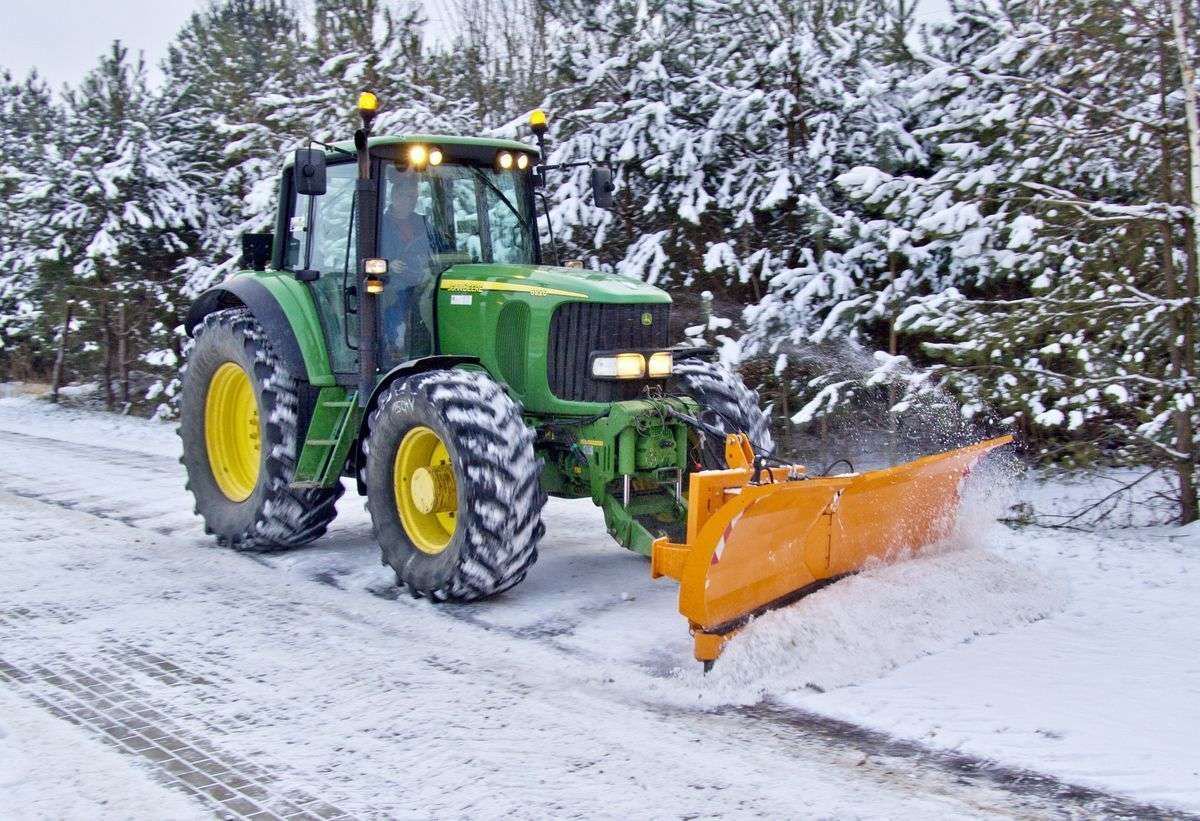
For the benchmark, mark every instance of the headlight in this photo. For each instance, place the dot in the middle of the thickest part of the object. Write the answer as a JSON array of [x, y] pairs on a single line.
[[504, 160], [522, 161], [417, 155], [435, 156], [619, 366], [375, 266], [659, 365]]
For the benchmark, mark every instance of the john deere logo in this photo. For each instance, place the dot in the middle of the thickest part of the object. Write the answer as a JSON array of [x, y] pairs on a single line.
[[647, 318]]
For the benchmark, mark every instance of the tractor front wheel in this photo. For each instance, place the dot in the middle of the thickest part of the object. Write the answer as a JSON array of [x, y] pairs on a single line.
[[453, 486], [726, 404], [239, 412]]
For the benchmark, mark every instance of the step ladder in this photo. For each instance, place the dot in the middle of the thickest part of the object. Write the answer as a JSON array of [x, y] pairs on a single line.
[[330, 433]]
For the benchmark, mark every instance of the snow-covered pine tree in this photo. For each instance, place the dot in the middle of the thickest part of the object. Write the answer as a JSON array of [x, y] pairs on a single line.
[[495, 58], [13, 285], [25, 109], [628, 95], [30, 265], [221, 66], [1045, 242], [729, 124], [124, 221], [367, 44], [817, 97], [30, 307]]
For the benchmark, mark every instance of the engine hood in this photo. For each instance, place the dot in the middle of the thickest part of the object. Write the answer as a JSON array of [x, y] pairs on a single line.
[[547, 280]]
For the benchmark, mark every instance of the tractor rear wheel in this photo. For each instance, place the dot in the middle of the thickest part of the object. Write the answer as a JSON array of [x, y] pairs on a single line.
[[453, 486], [239, 413], [725, 403]]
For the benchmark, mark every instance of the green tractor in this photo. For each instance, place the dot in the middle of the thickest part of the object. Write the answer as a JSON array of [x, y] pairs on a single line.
[[400, 327]]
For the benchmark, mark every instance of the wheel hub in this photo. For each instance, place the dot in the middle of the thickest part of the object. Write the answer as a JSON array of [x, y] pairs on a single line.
[[425, 489], [434, 490], [231, 432]]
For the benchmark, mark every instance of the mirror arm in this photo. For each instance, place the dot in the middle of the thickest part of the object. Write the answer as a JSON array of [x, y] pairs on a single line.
[[331, 147], [561, 165]]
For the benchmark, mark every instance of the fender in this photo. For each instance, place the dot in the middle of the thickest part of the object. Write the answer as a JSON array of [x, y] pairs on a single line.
[[284, 307], [437, 362]]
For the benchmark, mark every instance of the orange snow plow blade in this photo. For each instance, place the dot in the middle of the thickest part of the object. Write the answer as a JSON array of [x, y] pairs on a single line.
[[753, 545]]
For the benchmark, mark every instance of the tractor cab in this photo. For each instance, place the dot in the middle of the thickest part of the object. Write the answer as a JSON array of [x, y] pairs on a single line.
[[438, 201]]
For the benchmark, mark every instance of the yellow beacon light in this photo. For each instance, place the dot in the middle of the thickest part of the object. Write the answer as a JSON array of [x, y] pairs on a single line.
[[537, 124], [368, 107]]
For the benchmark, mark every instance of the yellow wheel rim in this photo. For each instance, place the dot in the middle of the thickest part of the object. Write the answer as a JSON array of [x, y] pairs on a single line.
[[426, 490], [231, 432]]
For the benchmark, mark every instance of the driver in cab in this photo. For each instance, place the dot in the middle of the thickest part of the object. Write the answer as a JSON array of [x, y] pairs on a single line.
[[407, 240]]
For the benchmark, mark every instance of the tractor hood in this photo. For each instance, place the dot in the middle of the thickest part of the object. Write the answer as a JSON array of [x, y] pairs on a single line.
[[547, 280]]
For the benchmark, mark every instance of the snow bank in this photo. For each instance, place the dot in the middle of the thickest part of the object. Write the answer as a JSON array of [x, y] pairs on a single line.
[[867, 625], [24, 414]]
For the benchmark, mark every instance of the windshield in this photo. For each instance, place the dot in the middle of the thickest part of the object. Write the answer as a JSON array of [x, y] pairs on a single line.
[[453, 213], [431, 219]]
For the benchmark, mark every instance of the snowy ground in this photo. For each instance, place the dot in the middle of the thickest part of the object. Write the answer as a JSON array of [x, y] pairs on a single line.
[[1034, 673]]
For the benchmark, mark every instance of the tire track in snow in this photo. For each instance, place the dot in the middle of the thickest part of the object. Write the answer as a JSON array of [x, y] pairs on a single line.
[[880, 748], [881, 754], [59, 477]]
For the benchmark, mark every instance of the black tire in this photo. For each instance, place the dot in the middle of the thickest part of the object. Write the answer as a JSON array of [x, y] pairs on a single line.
[[498, 484], [274, 516], [725, 403]]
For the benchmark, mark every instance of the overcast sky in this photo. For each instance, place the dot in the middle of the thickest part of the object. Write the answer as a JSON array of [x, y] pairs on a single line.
[[64, 38]]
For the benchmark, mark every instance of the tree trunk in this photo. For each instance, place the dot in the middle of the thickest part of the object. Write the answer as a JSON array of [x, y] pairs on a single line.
[[123, 354], [1180, 333], [1187, 76], [61, 356], [110, 400], [1189, 509]]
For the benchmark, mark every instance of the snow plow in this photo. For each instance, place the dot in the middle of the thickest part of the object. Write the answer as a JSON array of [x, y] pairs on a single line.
[[761, 537], [402, 329]]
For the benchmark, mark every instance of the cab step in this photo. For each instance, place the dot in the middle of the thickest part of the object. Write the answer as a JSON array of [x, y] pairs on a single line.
[[330, 435]]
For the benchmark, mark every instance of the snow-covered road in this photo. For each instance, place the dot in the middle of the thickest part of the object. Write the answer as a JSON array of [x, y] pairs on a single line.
[[300, 681]]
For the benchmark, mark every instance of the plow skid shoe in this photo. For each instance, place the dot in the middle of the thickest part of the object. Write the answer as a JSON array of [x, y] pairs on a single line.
[[753, 545]]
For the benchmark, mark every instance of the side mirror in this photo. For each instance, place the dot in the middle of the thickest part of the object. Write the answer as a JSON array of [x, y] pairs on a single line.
[[602, 187], [256, 251], [308, 171]]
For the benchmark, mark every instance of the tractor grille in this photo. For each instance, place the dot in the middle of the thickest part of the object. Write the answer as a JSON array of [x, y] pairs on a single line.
[[578, 329], [512, 334]]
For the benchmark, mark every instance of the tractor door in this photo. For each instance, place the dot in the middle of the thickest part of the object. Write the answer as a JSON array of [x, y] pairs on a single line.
[[414, 237], [330, 243]]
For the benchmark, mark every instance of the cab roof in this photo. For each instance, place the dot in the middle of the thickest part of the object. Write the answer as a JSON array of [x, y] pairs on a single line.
[[440, 139]]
